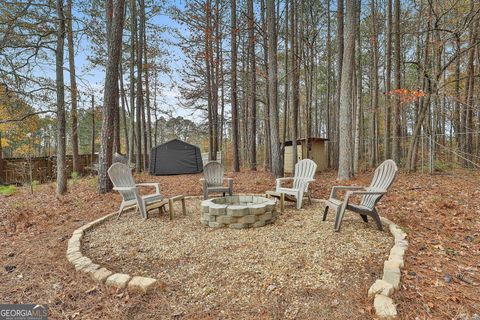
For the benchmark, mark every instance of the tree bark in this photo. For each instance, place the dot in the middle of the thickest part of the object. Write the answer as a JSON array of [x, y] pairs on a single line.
[[345, 117], [234, 97], [110, 96], [73, 89], [60, 84], [273, 86], [397, 84], [252, 99], [388, 73]]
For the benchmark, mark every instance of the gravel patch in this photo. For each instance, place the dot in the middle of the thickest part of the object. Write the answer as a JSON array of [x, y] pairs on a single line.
[[295, 266]]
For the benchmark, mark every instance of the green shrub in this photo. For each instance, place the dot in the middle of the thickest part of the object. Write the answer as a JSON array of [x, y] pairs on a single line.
[[35, 184], [74, 177], [8, 190]]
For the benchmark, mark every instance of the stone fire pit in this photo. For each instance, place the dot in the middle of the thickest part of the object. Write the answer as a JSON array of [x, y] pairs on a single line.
[[238, 212]]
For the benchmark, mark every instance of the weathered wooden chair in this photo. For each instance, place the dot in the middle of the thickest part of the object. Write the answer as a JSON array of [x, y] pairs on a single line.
[[213, 179], [382, 180], [304, 174], [121, 176]]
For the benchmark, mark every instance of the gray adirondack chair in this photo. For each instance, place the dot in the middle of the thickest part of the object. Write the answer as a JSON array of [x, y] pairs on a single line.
[[382, 180], [121, 176], [213, 179], [304, 174]]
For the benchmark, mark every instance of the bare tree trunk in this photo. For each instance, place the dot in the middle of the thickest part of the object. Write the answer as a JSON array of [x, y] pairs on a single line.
[[358, 109], [340, 48], [139, 97], [396, 105], [234, 98], [252, 85], [73, 88], [133, 33], [295, 84], [374, 97], [345, 117], [93, 128], [273, 86], [388, 74], [110, 97], [60, 84], [124, 113]]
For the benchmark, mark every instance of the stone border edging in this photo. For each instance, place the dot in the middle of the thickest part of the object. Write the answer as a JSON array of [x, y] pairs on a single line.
[[382, 289], [99, 273]]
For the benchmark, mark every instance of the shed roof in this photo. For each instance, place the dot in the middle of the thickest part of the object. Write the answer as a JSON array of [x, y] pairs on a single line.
[[175, 141]]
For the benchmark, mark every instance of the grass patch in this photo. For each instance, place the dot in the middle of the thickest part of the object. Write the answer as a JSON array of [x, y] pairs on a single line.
[[8, 190]]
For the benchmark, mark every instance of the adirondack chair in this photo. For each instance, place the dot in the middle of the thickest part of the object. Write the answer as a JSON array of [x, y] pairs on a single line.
[[382, 180], [213, 179], [121, 176], [304, 174]]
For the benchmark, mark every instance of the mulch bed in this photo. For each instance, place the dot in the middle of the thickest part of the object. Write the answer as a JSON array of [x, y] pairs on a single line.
[[441, 214], [240, 273]]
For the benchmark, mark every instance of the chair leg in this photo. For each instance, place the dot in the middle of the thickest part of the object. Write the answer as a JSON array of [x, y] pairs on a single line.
[[364, 217], [309, 198], [122, 206], [205, 194], [299, 201], [339, 217], [325, 213], [376, 217]]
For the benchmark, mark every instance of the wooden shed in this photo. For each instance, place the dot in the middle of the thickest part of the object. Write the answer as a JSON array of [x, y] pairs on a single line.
[[311, 148]]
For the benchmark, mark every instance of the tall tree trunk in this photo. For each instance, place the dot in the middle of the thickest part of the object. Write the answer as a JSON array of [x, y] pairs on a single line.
[[267, 161], [330, 134], [287, 87], [139, 96], [234, 98], [358, 109], [273, 86], [340, 49], [388, 73], [110, 96], [60, 84], [345, 117], [252, 85], [133, 34], [396, 105], [374, 98], [124, 112], [295, 77], [73, 88], [147, 122], [92, 153]]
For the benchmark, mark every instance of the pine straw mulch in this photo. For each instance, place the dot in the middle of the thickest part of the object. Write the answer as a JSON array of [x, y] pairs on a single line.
[[441, 214], [245, 273]]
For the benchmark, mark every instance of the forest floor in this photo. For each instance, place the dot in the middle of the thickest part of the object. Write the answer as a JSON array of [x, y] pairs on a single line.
[[440, 213]]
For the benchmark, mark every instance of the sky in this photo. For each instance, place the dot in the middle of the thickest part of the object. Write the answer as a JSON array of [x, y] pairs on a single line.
[[94, 79]]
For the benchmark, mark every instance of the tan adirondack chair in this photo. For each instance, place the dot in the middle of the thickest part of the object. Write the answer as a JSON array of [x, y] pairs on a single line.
[[382, 180], [213, 179], [304, 174], [121, 176]]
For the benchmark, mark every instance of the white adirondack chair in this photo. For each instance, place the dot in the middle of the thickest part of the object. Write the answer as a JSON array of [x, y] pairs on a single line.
[[121, 176], [304, 174], [213, 179], [382, 180]]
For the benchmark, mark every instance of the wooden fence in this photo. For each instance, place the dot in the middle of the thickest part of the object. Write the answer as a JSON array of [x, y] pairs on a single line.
[[17, 170]]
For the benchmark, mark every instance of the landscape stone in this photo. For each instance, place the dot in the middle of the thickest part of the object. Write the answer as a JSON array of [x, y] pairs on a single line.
[[118, 280], [100, 275], [215, 224], [142, 284], [384, 306], [226, 219], [381, 287], [397, 251], [392, 277], [259, 224]]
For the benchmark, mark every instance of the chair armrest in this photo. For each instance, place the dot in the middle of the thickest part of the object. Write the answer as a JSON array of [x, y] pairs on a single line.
[[280, 180], [124, 188], [333, 194], [364, 193], [150, 184]]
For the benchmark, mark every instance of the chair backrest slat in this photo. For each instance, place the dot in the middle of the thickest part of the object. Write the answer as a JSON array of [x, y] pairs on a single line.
[[213, 174], [382, 180], [121, 176], [304, 171]]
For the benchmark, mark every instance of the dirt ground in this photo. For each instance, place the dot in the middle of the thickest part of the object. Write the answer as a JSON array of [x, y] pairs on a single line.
[[441, 280]]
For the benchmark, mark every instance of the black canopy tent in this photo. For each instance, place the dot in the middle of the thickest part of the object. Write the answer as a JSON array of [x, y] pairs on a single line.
[[175, 157]]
